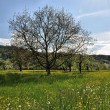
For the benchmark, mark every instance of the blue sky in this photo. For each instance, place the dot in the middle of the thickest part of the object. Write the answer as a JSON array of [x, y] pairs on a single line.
[[94, 15]]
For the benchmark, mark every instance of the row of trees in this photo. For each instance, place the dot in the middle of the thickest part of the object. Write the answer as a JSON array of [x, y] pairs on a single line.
[[18, 58], [52, 36]]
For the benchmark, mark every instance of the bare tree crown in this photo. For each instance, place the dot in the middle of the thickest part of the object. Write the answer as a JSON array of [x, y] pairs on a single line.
[[49, 32]]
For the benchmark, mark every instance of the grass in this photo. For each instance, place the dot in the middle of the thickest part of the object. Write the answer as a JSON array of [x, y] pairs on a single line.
[[33, 90]]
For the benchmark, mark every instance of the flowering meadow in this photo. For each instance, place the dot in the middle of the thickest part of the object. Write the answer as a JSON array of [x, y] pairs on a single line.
[[60, 91]]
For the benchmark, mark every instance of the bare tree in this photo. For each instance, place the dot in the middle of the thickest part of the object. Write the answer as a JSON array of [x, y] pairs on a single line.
[[50, 34]]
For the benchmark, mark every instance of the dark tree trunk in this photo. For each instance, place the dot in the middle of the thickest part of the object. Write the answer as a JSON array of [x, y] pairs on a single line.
[[48, 71], [80, 67], [80, 63], [87, 67], [69, 68], [63, 69], [20, 66]]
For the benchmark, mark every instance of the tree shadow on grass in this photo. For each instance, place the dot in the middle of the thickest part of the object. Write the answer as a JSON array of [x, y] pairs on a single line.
[[17, 78]]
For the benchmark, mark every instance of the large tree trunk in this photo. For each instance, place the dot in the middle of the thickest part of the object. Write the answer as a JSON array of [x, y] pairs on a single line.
[[48, 71]]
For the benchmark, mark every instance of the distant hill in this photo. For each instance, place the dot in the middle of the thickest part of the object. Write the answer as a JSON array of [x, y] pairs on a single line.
[[5, 50], [102, 58]]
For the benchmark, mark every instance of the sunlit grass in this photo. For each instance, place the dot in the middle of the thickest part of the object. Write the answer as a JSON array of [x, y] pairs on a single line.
[[100, 74], [31, 71], [59, 91]]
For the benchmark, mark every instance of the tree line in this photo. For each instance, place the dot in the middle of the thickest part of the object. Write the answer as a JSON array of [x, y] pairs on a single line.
[[22, 59]]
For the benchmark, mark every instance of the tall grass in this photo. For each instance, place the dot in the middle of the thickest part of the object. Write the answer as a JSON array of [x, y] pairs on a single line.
[[63, 91]]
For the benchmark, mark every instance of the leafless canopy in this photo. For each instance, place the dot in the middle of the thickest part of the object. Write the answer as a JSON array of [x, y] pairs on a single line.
[[49, 34]]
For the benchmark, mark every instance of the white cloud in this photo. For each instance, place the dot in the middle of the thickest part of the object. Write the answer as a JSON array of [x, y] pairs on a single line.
[[102, 45], [97, 13], [105, 50], [100, 48], [4, 41], [103, 36]]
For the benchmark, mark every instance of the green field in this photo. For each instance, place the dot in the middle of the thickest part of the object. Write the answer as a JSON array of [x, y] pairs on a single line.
[[34, 90]]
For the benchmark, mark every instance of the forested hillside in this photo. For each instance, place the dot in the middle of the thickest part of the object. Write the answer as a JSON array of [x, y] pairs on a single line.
[[14, 58]]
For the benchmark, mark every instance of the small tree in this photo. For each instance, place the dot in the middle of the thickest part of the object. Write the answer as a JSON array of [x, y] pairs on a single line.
[[68, 64], [2, 64], [50, 34], [20, 55], [17, 54]]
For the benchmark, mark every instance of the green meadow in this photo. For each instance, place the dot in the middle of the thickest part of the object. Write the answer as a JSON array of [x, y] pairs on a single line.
[[34, 90]]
